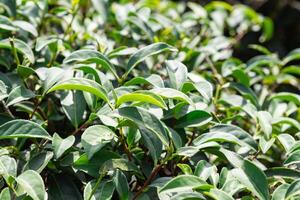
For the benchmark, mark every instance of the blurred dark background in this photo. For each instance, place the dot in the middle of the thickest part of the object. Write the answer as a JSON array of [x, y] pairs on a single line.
[[286, 17]]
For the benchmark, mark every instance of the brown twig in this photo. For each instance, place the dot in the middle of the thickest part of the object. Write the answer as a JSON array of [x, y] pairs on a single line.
[[7, 110], [84, 125], [148, 181]]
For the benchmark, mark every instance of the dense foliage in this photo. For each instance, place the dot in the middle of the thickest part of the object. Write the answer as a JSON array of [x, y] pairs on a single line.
[[144, 100]]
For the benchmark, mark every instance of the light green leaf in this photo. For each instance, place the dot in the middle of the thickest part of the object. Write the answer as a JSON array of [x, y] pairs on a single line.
[[145, 120], [154, 80], [26, 26], [293, 158], [8, 167], [265, 120], [83, 85], [103, 191], [61, 145], [96, 137], [279, 193], [170, 93], [248, 174], [93, 165], [287, 96], [5, 194], [293, 55], [20, 128], [182, 183], [177, 73], [203, 87], [282, 172], [237, 132], [293, 189], [20, 46], [32, 183], [39, 161], [194, 118], [142, 96], [19, 94], [73, 105], [287, 141], [145, 52], [91, 56], [121, 185]]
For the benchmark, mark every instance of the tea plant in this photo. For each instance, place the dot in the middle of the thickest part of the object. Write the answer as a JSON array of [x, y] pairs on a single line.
[[144, 100]]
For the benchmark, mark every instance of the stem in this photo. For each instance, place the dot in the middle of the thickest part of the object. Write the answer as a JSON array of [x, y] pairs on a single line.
[[148, 181], [122, 140], [14, 51], [35, 109], [53, 58], [214, 71], [7, 110], [84, 125], [74, 12], [96, 186]]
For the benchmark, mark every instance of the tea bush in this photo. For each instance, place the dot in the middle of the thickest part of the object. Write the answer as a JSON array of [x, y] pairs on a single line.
[[144, 100]]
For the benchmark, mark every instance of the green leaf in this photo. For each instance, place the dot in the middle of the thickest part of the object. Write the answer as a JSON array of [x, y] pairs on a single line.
[[237, 132], [293, 55], [61, 187], [18, 94], [8, 167], [189, 196], [20, 46], [103, 191], [93, 165], [186, 169], [96, 137], [218, 137], [177, 73], [26, 26], [145, 120], [287, 141], [245, 91], [39, 161], [83, 85], [145, 52], [24, 71], [194, 118], [265, 119], [287, 96], [265, 145], [237, 101], [170, 93], [293, 189], [293, 158], [10, 6], [279, 193], [121, 185], [73, 104], [91, 56], [42, 42], [142, 96], [20, 128], [7, 24], [32, 183], [249, 175], [182, 183], [282, 172], [61, 145], [121, 164], [154, 80], [218, 194], [203, 87], [5, 194]]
